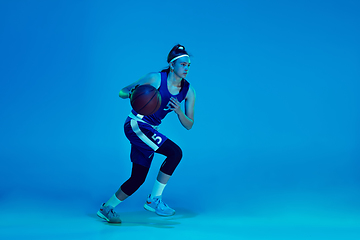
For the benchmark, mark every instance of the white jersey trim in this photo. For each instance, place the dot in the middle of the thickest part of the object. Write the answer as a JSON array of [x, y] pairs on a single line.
[[139, 117], [142, 136]]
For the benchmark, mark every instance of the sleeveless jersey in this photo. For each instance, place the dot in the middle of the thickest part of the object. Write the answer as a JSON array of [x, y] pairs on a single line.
[[155, 119]]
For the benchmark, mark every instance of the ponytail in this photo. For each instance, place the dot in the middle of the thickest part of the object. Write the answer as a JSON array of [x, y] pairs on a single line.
[[176, 52]]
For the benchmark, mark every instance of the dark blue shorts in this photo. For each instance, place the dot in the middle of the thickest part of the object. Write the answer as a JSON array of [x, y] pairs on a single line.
[[144, 139]]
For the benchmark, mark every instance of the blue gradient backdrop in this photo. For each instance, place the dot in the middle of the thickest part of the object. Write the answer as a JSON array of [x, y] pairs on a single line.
[[277, 111]]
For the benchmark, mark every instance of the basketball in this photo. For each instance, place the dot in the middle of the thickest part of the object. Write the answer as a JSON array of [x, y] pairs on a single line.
[[145, 100]]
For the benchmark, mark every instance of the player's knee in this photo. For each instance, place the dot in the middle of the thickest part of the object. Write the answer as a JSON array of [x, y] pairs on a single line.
[[172, 161], [175, 155], [178, 154]]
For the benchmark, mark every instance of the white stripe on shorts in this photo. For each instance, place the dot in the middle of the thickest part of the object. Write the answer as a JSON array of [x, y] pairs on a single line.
[[141, 135]]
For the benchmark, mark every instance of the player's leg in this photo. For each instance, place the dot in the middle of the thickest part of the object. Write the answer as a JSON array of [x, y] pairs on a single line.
[[145, 140], [137, 178], [173, 155]]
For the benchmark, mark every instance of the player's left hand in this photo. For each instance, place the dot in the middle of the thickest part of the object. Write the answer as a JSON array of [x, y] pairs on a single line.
[[175, 105]]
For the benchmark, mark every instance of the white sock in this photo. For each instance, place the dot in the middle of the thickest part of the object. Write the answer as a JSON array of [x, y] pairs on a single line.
[[158, 189], [113, 201]]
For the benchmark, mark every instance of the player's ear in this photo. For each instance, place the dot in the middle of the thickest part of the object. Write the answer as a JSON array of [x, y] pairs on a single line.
[[171, 66]]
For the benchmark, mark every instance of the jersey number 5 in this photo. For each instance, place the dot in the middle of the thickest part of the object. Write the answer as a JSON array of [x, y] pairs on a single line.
[[157, 139]]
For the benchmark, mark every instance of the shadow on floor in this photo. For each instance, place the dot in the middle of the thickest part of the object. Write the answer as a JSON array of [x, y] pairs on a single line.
[[148, 219]]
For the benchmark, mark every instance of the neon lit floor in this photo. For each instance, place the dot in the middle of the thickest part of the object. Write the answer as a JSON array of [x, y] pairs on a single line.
[[23, 218]]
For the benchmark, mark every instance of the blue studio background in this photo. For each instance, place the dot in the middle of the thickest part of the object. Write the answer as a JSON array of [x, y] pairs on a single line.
[[277, 111]]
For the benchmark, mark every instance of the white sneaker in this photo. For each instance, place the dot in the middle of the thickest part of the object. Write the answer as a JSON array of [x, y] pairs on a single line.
[[109, 214], [158, 206]]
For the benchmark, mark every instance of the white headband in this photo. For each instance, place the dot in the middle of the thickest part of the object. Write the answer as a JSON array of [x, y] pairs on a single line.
[[179, 57]]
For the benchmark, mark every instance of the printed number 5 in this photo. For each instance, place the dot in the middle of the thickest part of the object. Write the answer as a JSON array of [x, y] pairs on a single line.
[[157, 139]]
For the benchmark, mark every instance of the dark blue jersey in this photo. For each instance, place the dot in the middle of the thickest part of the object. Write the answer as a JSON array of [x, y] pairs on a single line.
[[155, 119]]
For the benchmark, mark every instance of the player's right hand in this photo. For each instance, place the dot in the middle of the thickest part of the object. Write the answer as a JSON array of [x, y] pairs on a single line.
[[132, 90]]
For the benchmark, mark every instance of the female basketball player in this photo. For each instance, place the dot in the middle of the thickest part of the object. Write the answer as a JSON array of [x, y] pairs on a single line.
[[146, 140]]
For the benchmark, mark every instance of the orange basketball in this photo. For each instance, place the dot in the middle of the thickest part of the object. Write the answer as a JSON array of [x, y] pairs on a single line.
[[145, 100]]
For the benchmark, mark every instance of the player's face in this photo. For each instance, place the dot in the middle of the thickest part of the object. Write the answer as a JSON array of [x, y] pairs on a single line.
[[182, 66]]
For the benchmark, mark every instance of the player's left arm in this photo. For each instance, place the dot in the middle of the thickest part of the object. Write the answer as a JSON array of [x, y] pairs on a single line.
[[187, 118]]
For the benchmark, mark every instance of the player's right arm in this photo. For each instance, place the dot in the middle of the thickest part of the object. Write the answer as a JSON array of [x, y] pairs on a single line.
[[153, 79]]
